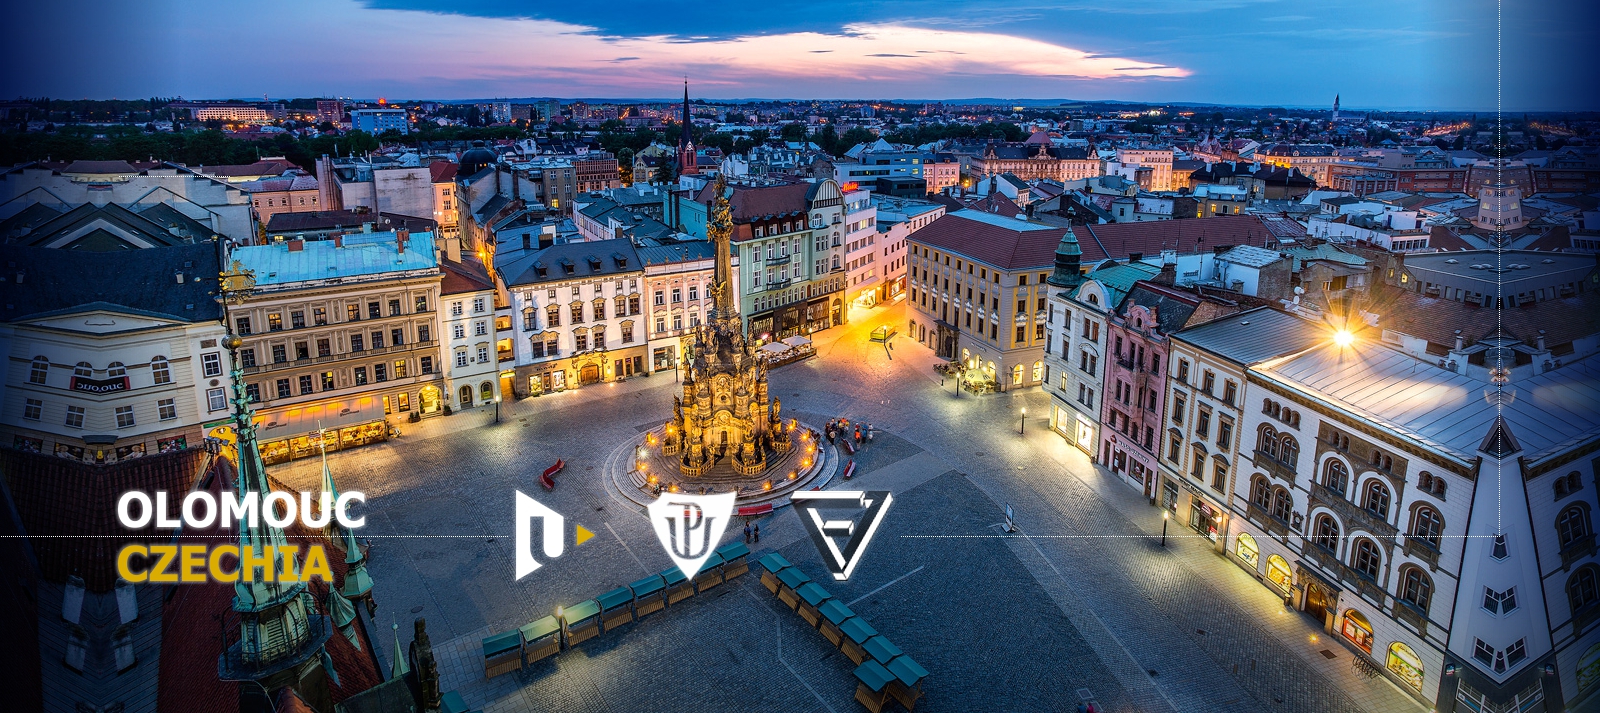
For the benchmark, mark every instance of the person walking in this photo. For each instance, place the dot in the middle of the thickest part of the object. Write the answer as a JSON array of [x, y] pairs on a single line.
[[758, 533], [747, 533]]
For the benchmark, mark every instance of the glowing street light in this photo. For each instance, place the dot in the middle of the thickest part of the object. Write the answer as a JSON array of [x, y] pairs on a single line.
[[1164, 517]]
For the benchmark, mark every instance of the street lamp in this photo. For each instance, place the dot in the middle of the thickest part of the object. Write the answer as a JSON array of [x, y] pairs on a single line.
[[1164, 517], [1023, 429], [497, 408]]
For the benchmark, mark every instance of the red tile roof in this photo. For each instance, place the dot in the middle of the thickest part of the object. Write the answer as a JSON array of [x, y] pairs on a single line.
[[987, 238], [753, 202], [468, 275], [1188, 235], [443, 171]]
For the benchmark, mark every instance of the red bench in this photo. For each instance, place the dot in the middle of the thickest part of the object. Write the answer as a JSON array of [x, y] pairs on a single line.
[[754, 510], [552, 470], [850, 470]]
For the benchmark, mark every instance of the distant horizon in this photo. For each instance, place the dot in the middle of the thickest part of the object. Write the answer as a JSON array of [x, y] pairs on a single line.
[[1425, 55]]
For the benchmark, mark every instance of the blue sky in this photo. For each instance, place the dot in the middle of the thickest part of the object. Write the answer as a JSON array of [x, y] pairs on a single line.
[[1424, 54]]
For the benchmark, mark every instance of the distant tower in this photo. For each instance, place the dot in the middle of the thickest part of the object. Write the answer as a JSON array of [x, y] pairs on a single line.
[[686, 161], [1336, 107]]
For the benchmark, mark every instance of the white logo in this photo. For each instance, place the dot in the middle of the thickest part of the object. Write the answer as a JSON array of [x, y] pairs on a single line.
[[689, 526], [826, 534], [553, 535]]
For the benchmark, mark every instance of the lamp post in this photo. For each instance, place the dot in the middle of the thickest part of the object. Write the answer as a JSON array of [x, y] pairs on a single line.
[[1164, 517], [497, 408], [1023, 429]]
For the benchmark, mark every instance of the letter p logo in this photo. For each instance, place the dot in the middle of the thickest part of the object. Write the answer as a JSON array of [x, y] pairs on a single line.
[[554, 529]]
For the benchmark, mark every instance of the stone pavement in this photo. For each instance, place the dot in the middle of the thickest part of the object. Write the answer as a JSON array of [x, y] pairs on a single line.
[[1002, 622]]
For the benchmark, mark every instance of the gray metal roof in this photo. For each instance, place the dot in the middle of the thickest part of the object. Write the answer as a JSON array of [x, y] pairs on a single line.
[[1255, 336], [1449, 412], [679, 252], [139, 281]]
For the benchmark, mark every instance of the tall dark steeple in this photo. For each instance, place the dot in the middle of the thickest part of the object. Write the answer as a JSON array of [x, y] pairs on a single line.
[[686, 161], [1068, 273]]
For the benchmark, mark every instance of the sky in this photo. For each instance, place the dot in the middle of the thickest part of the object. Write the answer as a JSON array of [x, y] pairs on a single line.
[[1375, 54]]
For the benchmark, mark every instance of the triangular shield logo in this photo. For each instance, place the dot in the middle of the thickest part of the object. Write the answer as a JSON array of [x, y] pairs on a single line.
[[827, 516], [689, 526]]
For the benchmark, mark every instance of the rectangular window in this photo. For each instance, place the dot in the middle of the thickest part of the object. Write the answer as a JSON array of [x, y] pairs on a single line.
[[243, 325], [421, 303], [74, 417], [302, 351], [461, 357], [1183, 370], [361, 376], [426, 364], [324, 348], [1230, 391], [399, 368], [1224, 433], [397, 337], [274, 322], [305, 384], [405, 401], [1202, 424], [627, 334], [380, 373], [247, 357], [455, 307], [1219, 476], [599, 339], [297, 320], [124, 416], [357, 343], [327, 381], [34, 408], [283, 388], [374, 311], [280, 354], [580, 342], [1208, 382], [1179, 401], [394, 308], [251, 392], [577, 313], [319, 316], [216, 399], [1022, 333], [377, 340], [352, 313], [1174, 447], [423, 333]]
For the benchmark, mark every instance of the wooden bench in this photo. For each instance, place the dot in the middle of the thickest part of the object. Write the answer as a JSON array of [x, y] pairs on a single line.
[[616, 608], [771, 565], [733, 556], [710, 574], [857, 633], [502, 653], [647, 597], [812, 595], [580, 622], [679, 587], [789, 580], [834, 614], [907, 684], [872, 685], [541, 639]]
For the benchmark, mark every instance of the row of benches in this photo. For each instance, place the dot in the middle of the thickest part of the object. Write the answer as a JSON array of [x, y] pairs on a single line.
[[882, 672], [510, 651]]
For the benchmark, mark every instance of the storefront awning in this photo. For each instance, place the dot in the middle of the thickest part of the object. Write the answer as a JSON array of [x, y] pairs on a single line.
[[796, 341], [307, 419], [775, 348]]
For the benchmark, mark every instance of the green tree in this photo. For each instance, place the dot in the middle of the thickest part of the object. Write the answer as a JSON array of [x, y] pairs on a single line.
[[625, 166], [667, 172], [794, 132]]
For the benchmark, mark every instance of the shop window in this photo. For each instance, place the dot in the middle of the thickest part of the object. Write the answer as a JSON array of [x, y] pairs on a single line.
[[1405, 664], [1357, 629], [1278, 572], [1247, 550], [405, 401]]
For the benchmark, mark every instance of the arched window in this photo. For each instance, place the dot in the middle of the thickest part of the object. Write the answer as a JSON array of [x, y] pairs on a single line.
[[1416, 587], [1261, 493], [160, 370], [1289, 451], [466, 397], [1582, 588], [1406, 664], [1278, 572], [115, 369], [1296, 420], [486, 391], [39, 371], [83, 370], [1247, 549], [1267, 442], [1573, 525], [1366, 558], [1282, 503], [1426, 525], [1336, 476], [1375, 498], [1016, 375], [1357, 629], [1568, 484], [1326, 533], [1266, 406]]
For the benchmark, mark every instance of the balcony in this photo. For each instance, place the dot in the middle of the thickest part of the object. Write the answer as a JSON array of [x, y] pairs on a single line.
[[1577, 550], [779, 260], [1267, 521], [1274, 467], [332, 358], [1409, 613], [1422, 550], [775, 286], [1354, 516]]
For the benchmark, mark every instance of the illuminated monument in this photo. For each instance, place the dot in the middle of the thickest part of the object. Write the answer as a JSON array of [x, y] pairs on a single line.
[[724, 414]]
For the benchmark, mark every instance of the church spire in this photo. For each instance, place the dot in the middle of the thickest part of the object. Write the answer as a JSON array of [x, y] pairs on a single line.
[[687, 165], [1068, 273]]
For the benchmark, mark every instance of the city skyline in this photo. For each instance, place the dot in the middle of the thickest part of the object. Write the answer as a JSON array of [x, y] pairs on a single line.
[[1153, 52]]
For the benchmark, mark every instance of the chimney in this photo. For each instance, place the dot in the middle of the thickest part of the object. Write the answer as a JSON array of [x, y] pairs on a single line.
[[1460, 341], [1541, 340], [400, 238], [296, 245], [1135, 257], [179, 276], [338, 240], [1168, 274]]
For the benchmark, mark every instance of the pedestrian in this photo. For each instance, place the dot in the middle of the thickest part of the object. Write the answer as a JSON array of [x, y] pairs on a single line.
[[747, 533], [758, 533], [858, 435]]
